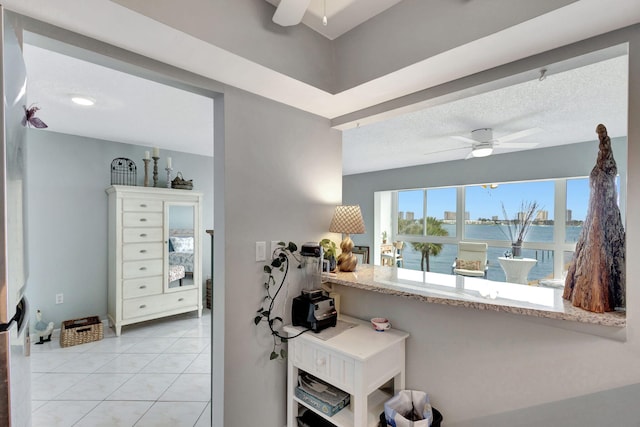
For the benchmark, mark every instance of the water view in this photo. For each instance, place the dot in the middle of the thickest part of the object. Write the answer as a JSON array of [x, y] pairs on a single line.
[[476, 232]]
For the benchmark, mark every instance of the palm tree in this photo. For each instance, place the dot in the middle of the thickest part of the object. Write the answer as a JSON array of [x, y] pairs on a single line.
[[434, 228]]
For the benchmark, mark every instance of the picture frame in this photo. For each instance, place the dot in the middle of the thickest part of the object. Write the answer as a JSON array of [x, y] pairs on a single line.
[[362, 253]]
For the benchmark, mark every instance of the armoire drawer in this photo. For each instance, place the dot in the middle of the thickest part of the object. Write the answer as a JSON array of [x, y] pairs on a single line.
[[142, 219], [139, 251], [138, 307], [145, 268], [138, 235], [142, 205], [134, 288]]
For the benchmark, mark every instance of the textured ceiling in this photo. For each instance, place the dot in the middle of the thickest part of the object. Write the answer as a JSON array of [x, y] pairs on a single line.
[[567, 107]]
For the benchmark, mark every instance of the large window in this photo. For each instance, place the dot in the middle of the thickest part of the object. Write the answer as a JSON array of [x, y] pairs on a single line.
[[481, 212]]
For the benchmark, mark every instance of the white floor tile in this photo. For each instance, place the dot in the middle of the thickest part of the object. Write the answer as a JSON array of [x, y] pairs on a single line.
[[201, 365], [152, 345], [48, 361], [170, 363], [85, 362], [48, 386], [115, 414], [61, 413], [94, 387], [172, 414], [113, 345], [205, 417], [188, 345], [144, 387], [189, 388], [127, 363]]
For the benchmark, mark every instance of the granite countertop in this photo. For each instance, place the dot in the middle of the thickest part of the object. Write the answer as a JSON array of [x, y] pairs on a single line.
[[471, 292]]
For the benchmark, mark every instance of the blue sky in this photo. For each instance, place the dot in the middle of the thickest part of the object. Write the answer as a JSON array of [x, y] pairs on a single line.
[[486, 202]]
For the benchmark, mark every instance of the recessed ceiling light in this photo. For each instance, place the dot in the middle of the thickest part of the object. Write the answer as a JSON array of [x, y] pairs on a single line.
[[83, 100]]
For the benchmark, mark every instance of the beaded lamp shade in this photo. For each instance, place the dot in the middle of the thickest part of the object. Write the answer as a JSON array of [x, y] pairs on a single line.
[[347, 219]]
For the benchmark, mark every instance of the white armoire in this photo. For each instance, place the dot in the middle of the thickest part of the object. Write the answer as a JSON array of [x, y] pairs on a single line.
[[155, 254]]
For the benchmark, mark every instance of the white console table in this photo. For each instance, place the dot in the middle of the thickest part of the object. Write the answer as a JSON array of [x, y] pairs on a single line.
[[517, 269], [358, 361]]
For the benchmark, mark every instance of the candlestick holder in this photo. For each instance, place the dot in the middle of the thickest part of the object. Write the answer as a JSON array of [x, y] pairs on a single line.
[[168, 176], [155, 170], [146, 171]]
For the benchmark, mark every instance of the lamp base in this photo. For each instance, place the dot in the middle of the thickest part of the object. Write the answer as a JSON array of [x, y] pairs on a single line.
[[347, 261]]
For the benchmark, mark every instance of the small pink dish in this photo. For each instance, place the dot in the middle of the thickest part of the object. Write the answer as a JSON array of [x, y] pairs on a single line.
[[380, 324]]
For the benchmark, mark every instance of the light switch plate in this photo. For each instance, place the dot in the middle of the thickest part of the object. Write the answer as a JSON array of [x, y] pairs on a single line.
[[261, 251]]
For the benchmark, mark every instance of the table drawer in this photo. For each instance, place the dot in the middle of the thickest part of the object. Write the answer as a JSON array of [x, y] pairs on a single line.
[[138, 307], [138, 235], [139, 251], [144, 268], [134, 288], [142, 219], [325, 364], [142, 205]]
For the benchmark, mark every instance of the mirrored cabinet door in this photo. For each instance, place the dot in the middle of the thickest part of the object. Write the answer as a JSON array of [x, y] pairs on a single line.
[[182, 243]]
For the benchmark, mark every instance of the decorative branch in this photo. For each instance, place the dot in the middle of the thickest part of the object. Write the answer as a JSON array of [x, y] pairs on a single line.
[[519, 226]]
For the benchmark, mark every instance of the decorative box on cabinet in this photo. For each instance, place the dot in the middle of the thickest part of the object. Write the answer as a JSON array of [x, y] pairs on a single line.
[[141, 222], [358, 361]]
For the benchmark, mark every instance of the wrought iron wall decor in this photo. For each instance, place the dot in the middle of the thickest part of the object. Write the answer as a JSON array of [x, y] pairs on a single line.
[[123, 172]]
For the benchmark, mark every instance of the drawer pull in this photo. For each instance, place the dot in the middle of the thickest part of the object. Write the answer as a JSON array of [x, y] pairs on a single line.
[[143, 219], [143, 268], [143, 286], [143, 235], [180, 299], [143, 306], [143, 251], [142, 205]]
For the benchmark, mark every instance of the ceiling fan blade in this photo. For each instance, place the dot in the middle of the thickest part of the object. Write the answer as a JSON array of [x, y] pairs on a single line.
[[469, 156], [517, 135], [464, 139], [290, 12], [517, 144], [445, 150]]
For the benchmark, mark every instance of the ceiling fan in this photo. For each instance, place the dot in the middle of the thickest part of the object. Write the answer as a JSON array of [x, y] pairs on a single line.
[[483, 143], [290, 12]]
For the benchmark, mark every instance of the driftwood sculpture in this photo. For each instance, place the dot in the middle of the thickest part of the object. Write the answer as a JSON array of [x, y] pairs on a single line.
[[596, 277]]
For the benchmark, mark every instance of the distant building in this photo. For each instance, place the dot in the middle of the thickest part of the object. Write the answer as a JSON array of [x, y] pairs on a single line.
[[542, 216], [569, 215], [449, 216], [410, 216], [494, 218], [400, 215], [467, 216]]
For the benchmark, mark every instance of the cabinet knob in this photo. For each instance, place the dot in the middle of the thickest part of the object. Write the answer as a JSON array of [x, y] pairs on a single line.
[[143, 235], [143, 251], [143, 286], [142, 205], [143, 268], [143, 306], [143, 219], [180, 299]]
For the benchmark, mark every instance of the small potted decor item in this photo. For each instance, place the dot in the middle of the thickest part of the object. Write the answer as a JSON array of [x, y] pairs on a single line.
[[519, 226], [329, 248], [180, 183], [384, 237]]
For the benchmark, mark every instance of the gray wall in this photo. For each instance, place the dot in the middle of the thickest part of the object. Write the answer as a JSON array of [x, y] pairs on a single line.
[[67, 218], [282, 181]]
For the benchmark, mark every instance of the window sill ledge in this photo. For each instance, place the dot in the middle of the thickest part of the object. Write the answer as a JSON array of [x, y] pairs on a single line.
[[476, 293]]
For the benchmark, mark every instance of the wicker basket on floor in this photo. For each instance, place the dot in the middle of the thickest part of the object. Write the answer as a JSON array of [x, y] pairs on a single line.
[[81, 331]]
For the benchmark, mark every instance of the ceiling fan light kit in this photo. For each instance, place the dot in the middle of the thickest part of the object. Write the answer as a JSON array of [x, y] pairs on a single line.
[[482, 150]]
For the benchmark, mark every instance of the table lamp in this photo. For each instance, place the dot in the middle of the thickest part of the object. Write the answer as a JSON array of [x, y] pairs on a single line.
[[347, 220]]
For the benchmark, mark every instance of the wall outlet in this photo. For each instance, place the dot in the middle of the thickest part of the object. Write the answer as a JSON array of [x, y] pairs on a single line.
[[59, 298]]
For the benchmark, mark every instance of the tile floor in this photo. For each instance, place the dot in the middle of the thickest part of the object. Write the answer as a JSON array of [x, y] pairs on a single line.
[[155, 374]]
